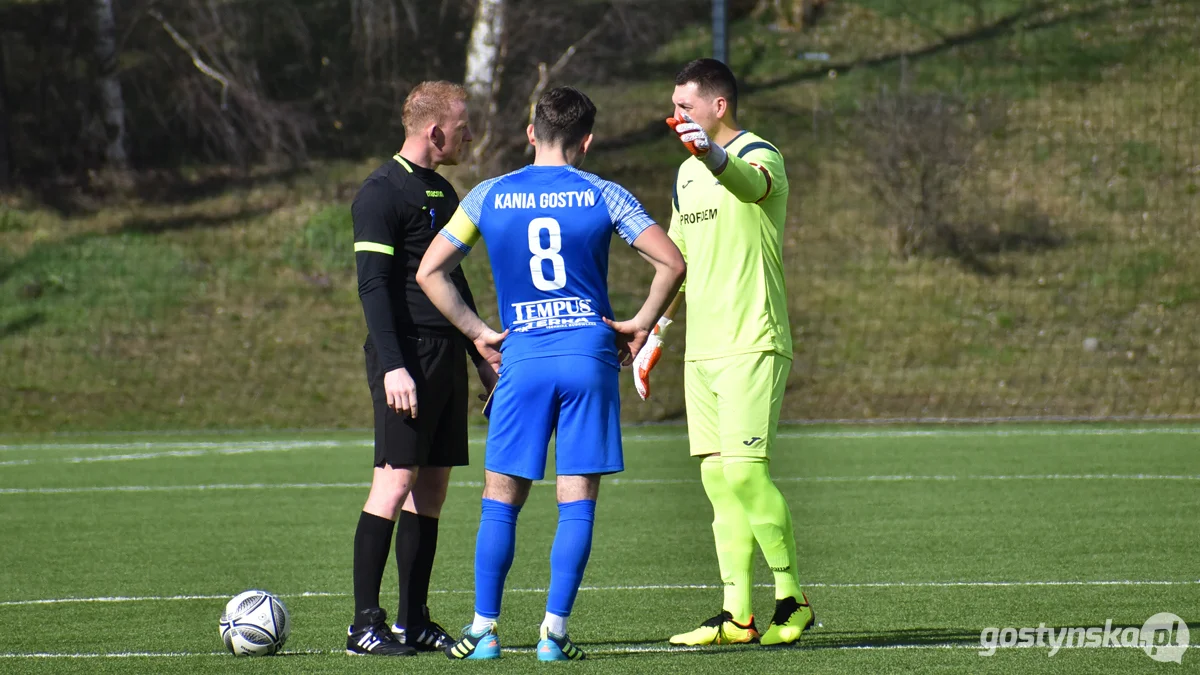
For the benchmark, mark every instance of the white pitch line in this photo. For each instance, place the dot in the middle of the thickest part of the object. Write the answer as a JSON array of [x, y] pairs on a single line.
[[998, 584], [262, 446], [199, 449], [901, 478], [613, 650], [939, 421], [167, 598], [179, 445], [228, 449], [1048, 476], [620, 588], [671, 649], [998, 433], [217, 487], [874, 422], [111, 655]]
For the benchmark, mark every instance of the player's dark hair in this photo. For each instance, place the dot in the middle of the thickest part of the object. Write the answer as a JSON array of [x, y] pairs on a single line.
[[564, 116], [713, 78]]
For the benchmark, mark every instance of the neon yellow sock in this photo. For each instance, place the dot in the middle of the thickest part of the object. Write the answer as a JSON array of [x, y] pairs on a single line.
[[734, 540], [770, 519]]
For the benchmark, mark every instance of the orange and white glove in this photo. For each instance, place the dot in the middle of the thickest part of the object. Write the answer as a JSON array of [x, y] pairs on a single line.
[[696, 140], [649, 355]]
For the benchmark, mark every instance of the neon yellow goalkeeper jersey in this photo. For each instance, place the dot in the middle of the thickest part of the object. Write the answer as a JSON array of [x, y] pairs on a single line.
[[730, 230]]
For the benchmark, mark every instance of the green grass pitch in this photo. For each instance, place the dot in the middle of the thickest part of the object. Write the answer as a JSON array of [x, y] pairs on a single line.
[[117, 552]]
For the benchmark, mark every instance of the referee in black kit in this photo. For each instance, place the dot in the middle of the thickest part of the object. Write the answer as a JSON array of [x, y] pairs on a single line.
[[416, 369]]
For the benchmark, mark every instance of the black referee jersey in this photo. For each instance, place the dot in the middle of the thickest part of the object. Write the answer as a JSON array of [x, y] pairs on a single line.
[[397, 213]]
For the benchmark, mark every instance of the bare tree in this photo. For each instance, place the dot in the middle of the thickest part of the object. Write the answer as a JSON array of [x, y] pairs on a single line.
[[485, 65], [241, 122], [111, 102], [543, 46], [246, 81], [924, 167], [546, 73], [5, 143], [376, 36], [792, 14]]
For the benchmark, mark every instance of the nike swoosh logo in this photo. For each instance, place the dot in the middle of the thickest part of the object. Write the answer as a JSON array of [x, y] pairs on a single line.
[[688, 183]]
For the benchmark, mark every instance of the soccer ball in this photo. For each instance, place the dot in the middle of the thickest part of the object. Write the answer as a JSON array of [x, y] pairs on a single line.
[[255, 623]]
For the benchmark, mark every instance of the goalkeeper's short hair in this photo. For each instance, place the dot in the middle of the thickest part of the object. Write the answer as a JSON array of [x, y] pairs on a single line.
[[564, 116], [712, 78]]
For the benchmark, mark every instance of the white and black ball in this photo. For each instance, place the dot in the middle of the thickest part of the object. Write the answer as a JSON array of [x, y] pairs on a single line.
[[255, 623]]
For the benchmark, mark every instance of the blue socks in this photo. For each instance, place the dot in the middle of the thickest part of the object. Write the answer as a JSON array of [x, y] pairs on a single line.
[[496, 544], [494, 549], [569, 556]]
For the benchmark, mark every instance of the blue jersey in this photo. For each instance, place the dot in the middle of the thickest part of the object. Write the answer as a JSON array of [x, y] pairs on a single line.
[[548, 230]]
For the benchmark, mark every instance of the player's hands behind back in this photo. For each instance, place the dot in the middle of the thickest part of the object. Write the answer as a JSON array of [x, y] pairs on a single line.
[[646, 359], [488, 375], [488, 343], [630, 337]]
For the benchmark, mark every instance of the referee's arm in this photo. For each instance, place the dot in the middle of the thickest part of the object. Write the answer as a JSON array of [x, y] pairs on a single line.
[[374, 255]]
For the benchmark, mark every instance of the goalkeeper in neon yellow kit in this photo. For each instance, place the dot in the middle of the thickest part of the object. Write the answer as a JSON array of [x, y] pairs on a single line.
[[729, 206]]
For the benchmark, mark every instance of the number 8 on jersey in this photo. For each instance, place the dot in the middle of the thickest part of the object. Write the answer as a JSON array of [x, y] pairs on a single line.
[[549, 254]]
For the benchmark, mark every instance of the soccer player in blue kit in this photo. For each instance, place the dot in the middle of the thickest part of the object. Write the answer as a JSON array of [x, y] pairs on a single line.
[[548, 228]]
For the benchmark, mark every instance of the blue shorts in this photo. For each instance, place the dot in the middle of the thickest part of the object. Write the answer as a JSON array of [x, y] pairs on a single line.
[[576, 398]]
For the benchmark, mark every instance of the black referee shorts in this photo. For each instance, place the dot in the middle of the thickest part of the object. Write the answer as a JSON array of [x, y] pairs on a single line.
[[438, 436]]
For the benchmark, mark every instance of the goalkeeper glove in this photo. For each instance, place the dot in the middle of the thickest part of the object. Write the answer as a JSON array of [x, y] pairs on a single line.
[[648, 357], [696, 140]]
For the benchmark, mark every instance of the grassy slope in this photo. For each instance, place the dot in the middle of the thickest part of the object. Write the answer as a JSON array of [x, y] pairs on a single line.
[[296, 540], [212, 312]]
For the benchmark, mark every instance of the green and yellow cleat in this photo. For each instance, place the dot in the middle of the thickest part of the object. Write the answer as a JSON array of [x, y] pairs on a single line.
[[558, 648], [473, 646], [790, 621], [719, 630]]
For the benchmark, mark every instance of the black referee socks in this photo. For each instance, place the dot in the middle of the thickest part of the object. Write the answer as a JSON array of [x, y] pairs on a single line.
[[416, 545], [372, 540]]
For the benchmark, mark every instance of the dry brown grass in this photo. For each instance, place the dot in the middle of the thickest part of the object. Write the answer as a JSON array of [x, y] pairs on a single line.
[[244, 339]]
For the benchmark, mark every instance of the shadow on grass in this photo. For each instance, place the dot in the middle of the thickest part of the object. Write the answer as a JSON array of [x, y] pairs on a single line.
[[15, 265], [842, 639], [170, 187], [816, 640], [821, 639], [1007, 25], [72, 196], [1026, 19], [145, 225], [90, 276], [20, 324]]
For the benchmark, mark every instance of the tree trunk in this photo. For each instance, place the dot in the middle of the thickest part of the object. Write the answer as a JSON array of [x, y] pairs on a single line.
[[6, 162], [111, 101], [484, 67], [791, 14]]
